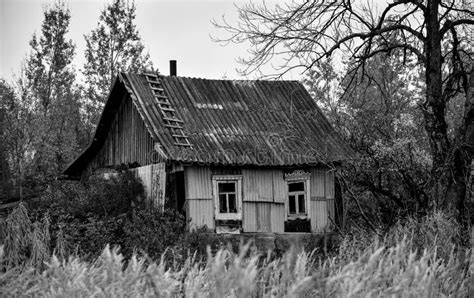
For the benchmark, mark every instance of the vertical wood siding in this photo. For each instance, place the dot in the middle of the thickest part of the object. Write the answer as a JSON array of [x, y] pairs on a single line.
[[278, 218], [330, 194], [257, 217], [128, 140], [279, 187], [264, 198], [317, 182], [329, 185], [223, 170], [257, 185], [200, 213], [319, 215], [263, 217], [322, 199], [198, 183], [153, 178], [199, 200]]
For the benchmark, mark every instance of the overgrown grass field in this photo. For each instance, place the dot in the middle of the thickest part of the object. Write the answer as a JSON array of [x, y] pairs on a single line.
[[418, 258]]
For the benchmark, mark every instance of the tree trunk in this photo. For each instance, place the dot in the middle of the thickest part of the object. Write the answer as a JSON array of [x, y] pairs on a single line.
[[451, 162], [469, 132], [460, 189], [435, 109]]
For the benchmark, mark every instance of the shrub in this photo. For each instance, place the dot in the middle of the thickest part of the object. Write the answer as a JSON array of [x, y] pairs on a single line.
[[152, 232], [88, 237], [98, 197], [89, 215], [115, 195]]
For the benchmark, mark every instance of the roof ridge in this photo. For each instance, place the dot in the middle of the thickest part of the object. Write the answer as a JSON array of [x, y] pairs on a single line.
[[144, 73]]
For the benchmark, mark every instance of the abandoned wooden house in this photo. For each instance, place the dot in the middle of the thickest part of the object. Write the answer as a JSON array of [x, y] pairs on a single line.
[[235, 156]]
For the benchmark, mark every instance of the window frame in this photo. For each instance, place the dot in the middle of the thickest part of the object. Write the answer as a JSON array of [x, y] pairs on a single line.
[[296, 195], [306, 181], [216, 179]]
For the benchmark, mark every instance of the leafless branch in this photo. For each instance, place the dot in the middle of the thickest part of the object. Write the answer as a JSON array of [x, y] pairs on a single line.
[[356, 200]]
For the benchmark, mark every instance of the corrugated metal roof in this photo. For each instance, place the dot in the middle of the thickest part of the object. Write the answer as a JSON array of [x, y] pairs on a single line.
[[242, 122], [239, 122]]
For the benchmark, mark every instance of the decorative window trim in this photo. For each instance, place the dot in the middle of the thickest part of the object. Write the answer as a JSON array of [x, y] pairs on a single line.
[[297, 175], [227, 178]]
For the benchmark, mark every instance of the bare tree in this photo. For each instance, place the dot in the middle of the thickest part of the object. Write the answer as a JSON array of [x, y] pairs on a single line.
[[434, 32]]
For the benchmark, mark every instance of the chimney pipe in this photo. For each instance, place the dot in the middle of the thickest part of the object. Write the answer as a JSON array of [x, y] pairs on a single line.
[[173, 68]]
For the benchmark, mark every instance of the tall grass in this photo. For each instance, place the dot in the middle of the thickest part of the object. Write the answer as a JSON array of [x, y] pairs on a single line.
[[400, 264], [26, 243], [378, 271], [416, 258]]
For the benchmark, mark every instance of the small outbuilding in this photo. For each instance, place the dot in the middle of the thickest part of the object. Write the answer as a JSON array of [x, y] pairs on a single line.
[[234, 156]]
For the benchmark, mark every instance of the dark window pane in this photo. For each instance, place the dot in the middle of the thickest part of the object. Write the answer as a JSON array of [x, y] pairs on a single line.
[[227, 187], [296, 186], [292, 204], [222, 204], [301, 205], [232, 203]]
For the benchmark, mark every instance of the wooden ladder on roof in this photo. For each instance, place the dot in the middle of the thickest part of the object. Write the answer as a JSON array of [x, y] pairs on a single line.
[[168, 113]]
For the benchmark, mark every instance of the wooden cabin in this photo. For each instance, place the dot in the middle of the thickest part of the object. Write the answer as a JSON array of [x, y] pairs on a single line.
[[234, 156]]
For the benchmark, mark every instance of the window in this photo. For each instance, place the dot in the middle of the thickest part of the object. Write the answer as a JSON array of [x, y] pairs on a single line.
[[228, 197], [297, 198]]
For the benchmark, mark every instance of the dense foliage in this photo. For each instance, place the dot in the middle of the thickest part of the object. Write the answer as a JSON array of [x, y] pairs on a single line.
[[47, 115], [84, 218], [381, 121]]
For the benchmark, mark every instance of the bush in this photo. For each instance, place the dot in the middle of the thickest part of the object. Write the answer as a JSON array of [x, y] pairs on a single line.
[[152, 232], [88, 237], [97, 197], [89, 215], [115, 195], [108, 211]]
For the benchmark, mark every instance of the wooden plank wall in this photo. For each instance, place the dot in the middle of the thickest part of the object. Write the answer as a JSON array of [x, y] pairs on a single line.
[[317, 182], [257, 185], [198, 183], [263, 217], [330, 195], [322, 199], [278, 218], [279, 187], [200, 213], [199, 200], [128, 140], [153, 178], [264, 195], [257, 217], [319, 215]]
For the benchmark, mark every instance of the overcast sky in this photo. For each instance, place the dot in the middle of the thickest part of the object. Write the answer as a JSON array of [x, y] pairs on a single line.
[[170, 30]]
